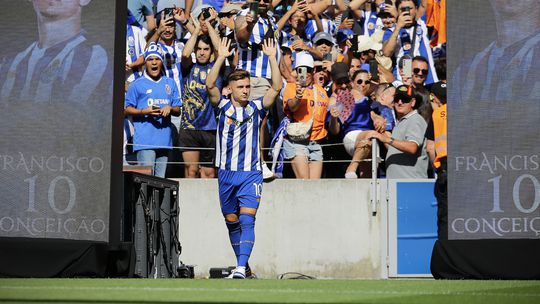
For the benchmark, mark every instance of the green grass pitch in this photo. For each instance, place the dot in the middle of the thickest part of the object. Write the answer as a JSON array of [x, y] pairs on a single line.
[[265, 291]]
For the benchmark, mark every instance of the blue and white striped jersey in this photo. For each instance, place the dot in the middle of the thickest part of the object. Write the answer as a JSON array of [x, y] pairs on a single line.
[[328, 26], [421, 47], [237, 137], [73, 70], [370, 23], [251, 57], [135, 45], [171, 62]]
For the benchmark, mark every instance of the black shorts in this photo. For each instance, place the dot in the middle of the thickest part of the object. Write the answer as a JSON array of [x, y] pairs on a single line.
[[199, 139]]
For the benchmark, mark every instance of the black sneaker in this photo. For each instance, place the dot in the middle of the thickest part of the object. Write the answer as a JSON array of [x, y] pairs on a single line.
[[249, 273]]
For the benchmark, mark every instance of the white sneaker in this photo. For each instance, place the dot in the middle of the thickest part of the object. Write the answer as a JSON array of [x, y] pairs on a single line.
[[238, 273], [268, 175], [350, 175]]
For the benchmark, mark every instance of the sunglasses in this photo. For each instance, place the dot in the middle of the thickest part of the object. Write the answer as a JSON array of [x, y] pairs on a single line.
[[402, 101], [343, 81], [320, 68], [417, 71], [360, 81]]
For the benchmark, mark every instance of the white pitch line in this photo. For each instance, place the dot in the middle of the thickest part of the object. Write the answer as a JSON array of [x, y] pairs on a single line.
[[358, 292]]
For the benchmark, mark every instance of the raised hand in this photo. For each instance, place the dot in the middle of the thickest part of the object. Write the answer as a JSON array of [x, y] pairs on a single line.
[[404, 19], [269, 48], [335, 111], [224, 48], [303, 6], [347, 23], [179, 15], [299, 44], [213, 15]]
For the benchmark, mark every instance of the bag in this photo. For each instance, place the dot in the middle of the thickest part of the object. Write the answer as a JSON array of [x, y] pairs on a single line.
[[301, 131]]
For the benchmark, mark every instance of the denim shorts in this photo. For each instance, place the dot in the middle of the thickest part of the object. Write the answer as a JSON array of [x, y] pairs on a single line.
[[312, 150]]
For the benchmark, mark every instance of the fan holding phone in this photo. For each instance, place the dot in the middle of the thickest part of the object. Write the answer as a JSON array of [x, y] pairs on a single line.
[[306, 104]]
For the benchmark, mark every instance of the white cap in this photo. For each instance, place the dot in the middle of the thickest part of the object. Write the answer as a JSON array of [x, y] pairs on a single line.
[[365, 43], [303, 59], [196, 11]]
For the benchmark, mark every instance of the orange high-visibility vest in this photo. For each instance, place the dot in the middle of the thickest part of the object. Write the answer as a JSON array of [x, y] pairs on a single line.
[[439, 129]]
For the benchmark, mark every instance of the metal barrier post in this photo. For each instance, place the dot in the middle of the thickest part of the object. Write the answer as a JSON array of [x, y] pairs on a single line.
[[374, 166]]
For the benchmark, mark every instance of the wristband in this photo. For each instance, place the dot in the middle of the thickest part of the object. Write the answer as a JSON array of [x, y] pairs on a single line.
[[391, 141]]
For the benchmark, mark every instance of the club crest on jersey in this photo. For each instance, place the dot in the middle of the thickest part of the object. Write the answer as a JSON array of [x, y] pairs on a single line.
[[51, 71], [168, 89], [249, 110], [419, 31], [371, 26]]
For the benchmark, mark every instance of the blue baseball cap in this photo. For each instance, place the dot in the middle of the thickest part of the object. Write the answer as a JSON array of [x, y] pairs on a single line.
[[153, 50], [343, 35]]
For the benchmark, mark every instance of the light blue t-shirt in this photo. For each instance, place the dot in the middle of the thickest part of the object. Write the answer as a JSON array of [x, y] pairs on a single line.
[[152, 132]]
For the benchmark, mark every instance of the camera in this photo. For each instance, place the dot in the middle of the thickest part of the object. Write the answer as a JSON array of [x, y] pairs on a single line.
[[206, 13]]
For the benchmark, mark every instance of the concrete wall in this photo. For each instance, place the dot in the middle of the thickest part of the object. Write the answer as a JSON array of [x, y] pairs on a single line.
[[321, 228]]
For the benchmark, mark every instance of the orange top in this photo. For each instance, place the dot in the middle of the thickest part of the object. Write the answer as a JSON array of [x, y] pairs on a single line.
[[307, 105]]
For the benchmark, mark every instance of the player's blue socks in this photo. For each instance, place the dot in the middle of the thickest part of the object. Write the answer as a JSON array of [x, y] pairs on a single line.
[[234, 236], [247, 238]]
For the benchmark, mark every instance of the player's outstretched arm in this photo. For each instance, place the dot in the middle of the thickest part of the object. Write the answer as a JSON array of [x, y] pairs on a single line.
[[270, 50], [223, 52]]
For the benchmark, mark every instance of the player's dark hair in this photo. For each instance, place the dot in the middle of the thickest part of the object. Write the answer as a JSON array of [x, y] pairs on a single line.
[[238, 75]]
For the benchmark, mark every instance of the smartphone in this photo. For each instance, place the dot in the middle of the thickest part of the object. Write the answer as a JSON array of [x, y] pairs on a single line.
[[254, 9], [354, 42], [406, 10], [154, 107], [374, 70], [302, 75], [168, 12], [407, 67]]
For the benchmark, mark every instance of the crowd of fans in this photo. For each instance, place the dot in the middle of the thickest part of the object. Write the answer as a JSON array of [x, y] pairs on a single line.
[[352, 71]]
